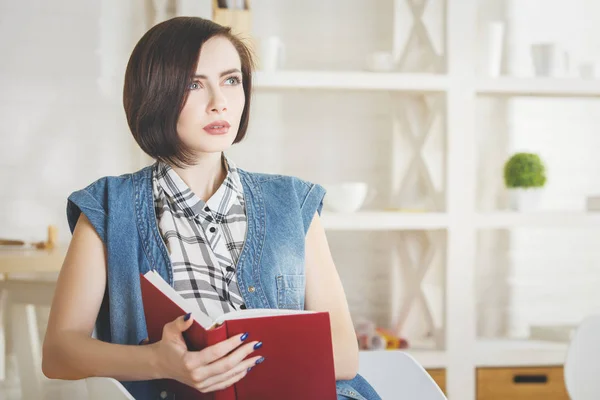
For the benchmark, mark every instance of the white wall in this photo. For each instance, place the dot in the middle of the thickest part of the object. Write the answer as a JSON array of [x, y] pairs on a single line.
[[58, 131]]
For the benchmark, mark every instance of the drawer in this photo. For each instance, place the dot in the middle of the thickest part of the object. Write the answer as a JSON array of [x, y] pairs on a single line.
[[543, 383], [439, 376]]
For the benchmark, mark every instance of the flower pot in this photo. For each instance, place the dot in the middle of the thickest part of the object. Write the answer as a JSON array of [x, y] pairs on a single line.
[[525, 199]]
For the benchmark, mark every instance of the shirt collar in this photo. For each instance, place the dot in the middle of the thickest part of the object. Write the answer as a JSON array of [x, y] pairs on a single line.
[[229, 193]]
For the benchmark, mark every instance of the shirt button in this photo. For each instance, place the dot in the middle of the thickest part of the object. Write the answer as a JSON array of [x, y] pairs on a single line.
[[206, 209], [251, 289], [212, 229], [163, 394]]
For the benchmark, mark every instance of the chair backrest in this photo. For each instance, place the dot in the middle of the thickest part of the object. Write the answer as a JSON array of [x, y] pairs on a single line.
[[583, 361], [106, 388], [396, 375]]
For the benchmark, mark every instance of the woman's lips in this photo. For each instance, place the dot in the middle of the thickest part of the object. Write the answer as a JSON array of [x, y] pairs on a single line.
[[217, 128]]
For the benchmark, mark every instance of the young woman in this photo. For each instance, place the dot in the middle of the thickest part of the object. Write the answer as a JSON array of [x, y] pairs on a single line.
[[221, 236]]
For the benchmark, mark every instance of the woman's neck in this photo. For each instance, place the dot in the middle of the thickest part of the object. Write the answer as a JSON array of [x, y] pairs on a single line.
[[206, 176]]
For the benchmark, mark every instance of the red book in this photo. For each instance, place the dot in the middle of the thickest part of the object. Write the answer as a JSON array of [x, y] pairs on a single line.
[[297, 346]]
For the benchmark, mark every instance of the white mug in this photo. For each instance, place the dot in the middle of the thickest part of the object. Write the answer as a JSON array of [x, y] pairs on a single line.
[[272, 53], [587, 70], [549, 60]]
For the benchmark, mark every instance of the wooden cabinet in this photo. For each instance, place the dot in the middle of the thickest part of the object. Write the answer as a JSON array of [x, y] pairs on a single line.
[[539, 383], [514, 383], [439, 376]]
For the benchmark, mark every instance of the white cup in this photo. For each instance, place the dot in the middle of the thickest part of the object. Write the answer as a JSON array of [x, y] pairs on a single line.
[[587, 71], [549, 60], [272, 53], [345, 197]]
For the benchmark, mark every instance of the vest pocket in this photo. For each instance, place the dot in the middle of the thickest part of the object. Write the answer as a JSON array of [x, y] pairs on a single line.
[[290, 291], [345, 392]]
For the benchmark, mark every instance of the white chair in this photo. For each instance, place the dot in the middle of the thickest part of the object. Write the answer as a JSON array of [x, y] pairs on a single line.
[[106, 388], [85, 389], [583, 361], [397, 375]]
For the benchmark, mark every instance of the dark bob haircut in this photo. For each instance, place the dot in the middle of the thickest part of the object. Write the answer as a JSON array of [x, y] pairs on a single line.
[[159, 71]]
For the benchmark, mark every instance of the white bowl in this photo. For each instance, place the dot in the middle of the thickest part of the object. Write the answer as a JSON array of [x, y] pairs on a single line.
[[345, 197]]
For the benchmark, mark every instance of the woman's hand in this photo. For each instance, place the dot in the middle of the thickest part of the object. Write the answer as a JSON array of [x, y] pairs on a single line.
[[214, 368]]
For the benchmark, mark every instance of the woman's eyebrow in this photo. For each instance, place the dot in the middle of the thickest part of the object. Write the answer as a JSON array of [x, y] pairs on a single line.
[[229, 71]]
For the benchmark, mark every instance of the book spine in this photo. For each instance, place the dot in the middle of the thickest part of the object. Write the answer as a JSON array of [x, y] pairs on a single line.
[[215, 336], [197, 339]]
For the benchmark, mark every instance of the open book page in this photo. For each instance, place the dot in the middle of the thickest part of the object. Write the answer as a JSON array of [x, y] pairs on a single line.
[[188, 306], [256, 313], [204, 320]]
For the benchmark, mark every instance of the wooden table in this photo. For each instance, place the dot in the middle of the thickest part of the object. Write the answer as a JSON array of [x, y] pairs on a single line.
[[27, 282], [18, 260]]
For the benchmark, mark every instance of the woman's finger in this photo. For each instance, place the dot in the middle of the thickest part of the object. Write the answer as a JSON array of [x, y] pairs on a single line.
[[220, 350], [226, 376]]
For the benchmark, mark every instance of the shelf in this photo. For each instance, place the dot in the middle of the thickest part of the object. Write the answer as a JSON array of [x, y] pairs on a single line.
[[559, 219], [350, 80], [430, 359], [423, 82], [389, 221], [494, 353], [383, 221], [551, 87], [519, 353]]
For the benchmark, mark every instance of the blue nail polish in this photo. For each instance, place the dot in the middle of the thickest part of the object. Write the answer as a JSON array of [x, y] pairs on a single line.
[[187, 316], [257, 345], [244, 336], [260, 360], [249, 369]]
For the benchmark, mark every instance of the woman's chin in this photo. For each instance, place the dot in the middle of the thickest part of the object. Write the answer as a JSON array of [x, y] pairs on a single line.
[[213, 147], [206, 143]]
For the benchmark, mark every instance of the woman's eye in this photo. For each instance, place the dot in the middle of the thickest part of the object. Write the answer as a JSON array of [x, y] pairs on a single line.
[[234, 80], [194, 86]]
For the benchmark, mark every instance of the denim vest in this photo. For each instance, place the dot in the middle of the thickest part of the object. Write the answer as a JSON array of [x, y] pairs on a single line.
[[270, 269]]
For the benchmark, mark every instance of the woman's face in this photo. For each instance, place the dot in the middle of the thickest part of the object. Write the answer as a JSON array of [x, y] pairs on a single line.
[[211, 116]]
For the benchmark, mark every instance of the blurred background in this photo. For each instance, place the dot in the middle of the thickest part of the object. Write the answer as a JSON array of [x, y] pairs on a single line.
[[458, 141]]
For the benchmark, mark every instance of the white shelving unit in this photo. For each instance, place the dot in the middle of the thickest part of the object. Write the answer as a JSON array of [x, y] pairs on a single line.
[[500, 353], [459, 88], [396, 221], [383, 221], [419, 83], [537, 220], [538, 87], [425, 83]]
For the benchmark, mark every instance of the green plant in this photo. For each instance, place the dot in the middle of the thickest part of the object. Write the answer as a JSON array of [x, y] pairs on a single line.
[[524, 170]]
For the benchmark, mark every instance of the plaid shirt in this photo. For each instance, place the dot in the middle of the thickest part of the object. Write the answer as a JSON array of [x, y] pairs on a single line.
[[204, 239]]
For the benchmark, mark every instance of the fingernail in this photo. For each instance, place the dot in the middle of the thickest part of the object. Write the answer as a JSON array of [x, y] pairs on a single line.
[[244, 336], [257, 345], [249, 369], [260, 360], [187, 316]]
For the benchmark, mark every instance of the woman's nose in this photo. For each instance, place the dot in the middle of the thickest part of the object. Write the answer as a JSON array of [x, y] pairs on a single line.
[[218, 102]]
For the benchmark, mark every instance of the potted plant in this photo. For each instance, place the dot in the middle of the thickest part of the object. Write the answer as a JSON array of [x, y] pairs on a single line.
[[524, 176]]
